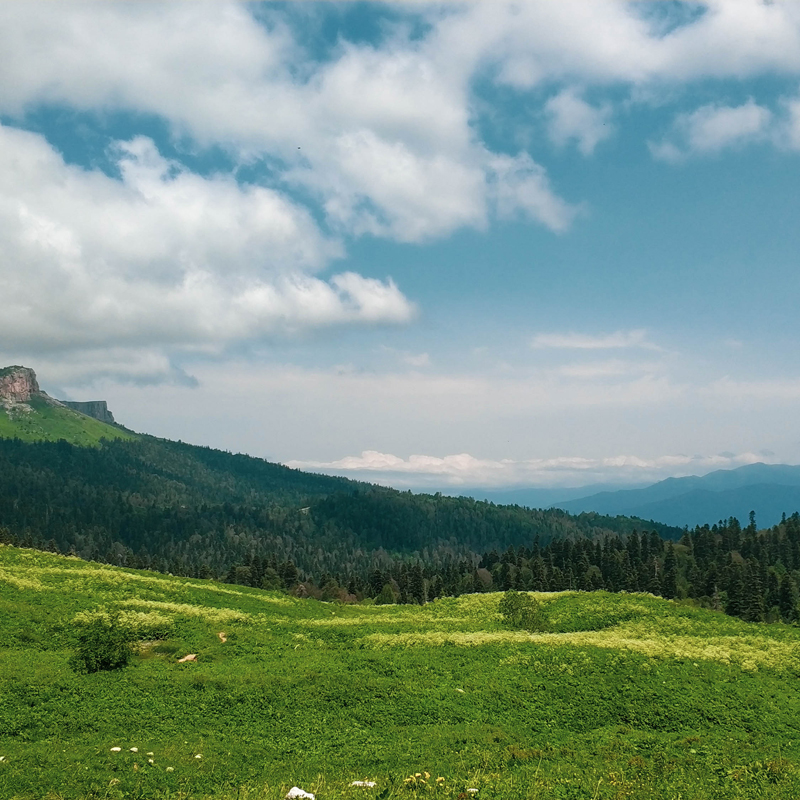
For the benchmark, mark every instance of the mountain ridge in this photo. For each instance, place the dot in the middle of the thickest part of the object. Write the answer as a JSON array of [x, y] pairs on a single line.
[[698, 500]]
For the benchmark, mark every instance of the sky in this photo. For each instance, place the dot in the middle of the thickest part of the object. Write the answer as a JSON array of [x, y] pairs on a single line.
[[429, 245]]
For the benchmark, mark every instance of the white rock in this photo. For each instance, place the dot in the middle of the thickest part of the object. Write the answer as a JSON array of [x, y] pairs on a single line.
[[296, 793]]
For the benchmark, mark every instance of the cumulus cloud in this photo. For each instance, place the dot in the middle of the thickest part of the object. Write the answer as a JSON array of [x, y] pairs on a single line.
[[378, 139], [713, 128], [570, 117], [381, 136], [581, 341], [468, 471], [161, 257]]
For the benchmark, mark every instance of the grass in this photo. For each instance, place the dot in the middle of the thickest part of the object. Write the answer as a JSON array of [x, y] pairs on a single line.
[[626, 696], [45, 422]]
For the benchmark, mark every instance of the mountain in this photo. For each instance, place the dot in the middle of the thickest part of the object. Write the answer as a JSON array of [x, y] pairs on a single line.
[[533, 497], [29, 414], [768, 489]]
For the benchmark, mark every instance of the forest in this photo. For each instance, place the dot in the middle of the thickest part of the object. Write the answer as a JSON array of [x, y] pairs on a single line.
[[186, 510]]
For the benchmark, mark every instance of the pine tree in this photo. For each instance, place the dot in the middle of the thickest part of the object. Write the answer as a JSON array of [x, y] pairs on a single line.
[[787, 599], [669, 579]]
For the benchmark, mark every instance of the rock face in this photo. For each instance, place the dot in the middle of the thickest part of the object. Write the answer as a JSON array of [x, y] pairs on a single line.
[[18, 384], [92, 408]]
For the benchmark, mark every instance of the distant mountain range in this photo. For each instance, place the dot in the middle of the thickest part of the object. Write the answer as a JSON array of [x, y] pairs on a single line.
[[768, 489]]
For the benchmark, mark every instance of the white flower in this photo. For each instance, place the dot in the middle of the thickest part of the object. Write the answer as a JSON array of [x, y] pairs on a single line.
[[2, 758], [170, 769], [150, 754], [134, 749], [150, 761], [472, 791], [199, 755], [115, 749], [364, 784]]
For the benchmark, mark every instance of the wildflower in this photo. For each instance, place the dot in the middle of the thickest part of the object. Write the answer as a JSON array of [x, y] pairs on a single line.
[[115, 749], [170, 769], [364, 784], [199, 755], [113, 782], [150, 754], [440, 780], [2, 758], [472, 791], [150, 761], [134, 749]]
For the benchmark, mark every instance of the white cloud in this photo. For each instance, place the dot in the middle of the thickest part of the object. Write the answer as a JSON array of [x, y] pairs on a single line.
[[161, 258], [468, 471], [381, 136], [712, 128], [570, 117], [520, 185], [791, 127], [581, 341]]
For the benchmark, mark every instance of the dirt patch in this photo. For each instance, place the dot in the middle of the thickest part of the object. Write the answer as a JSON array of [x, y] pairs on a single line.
[[189, 657]]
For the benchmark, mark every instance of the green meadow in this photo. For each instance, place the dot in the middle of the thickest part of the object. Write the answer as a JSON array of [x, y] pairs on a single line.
[[624, 696], [39, 421]]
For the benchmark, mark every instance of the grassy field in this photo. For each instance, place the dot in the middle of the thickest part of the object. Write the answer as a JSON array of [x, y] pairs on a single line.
[[627, 696], [49, 423]]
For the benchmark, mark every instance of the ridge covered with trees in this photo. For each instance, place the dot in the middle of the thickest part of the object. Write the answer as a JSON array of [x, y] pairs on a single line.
[[187, 510]]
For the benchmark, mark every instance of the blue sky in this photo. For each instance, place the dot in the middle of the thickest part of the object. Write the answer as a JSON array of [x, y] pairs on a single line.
[[432, 245]]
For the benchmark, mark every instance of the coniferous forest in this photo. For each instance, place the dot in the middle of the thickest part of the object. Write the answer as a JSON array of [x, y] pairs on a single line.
[[187, 510]]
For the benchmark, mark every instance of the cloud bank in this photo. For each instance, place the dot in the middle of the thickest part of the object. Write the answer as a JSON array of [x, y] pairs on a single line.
[[420, 471]]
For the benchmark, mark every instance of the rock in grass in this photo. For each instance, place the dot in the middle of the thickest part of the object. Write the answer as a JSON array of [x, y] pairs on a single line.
[[296, 793]]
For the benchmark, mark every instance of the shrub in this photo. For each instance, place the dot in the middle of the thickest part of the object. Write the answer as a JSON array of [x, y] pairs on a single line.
[[103, 643], [520, 610]]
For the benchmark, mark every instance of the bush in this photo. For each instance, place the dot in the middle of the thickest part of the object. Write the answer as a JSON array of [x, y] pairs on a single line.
[[520, 610], [103, 643]]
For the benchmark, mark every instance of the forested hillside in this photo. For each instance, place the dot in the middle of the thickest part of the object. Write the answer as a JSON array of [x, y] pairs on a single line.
[[192, 510]]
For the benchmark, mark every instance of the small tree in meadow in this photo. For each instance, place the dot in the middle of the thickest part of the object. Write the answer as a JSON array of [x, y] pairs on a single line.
[[520, 610], [103, 643]]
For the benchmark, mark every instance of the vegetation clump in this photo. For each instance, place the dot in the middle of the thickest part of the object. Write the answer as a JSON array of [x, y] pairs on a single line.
[[521, 611], [104, 642]]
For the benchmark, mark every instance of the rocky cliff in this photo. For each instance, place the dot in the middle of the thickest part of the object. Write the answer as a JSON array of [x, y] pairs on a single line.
[[18, 385], [98, 409]]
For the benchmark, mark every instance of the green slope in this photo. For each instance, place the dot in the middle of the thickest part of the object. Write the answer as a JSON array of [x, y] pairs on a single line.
[[627, 695], [39, 420]]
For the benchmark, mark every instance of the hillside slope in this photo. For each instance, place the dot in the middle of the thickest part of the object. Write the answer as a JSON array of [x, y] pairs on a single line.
[[29, 414], [625, 696], [192, 510]]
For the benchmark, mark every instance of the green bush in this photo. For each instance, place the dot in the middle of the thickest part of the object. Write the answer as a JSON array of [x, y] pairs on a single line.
[[103, 643], [520, 610]]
